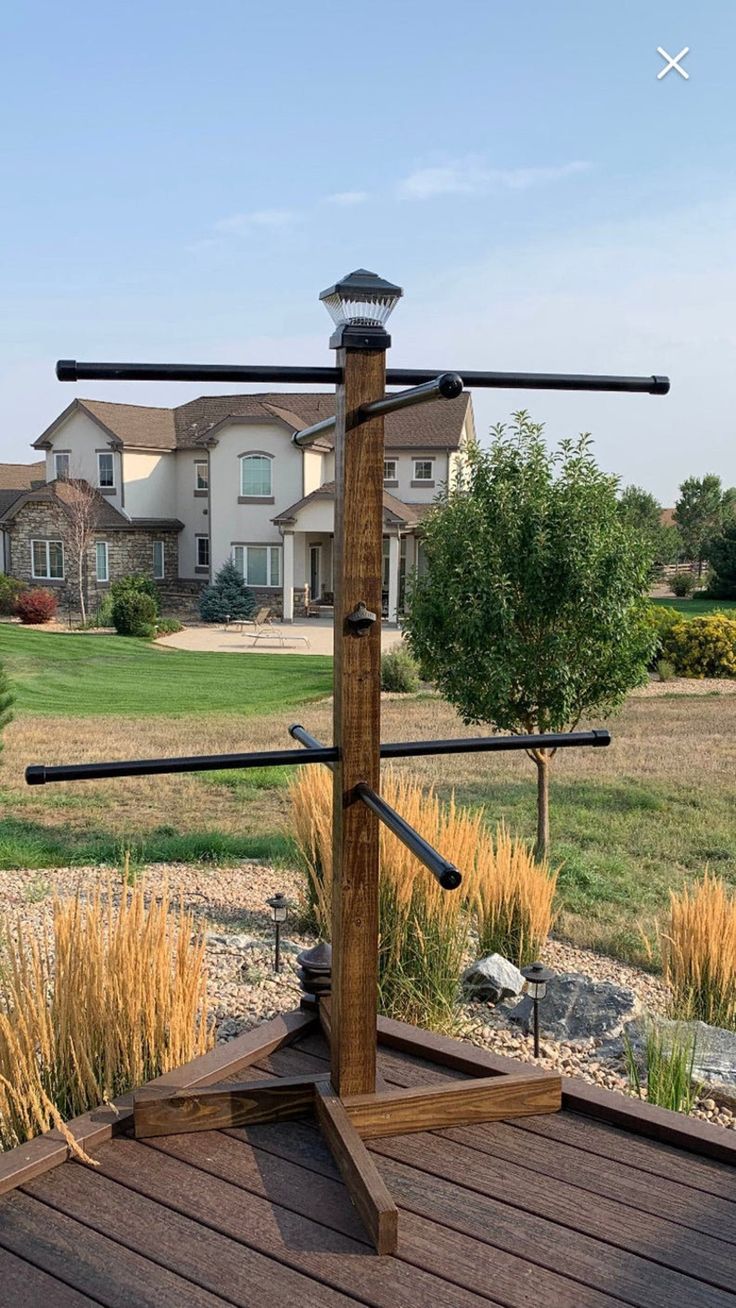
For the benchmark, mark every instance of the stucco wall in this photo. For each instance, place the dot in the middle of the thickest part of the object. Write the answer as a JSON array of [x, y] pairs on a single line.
[[150, 484], [81, 438], [250, 523], [191, 509], [412, 494]]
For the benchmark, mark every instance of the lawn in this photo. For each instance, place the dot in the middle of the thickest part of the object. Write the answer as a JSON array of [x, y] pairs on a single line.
[[695, 608], [628, 823], [88, 675]]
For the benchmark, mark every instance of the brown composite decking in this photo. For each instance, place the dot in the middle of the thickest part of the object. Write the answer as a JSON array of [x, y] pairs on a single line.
[[563, 1210]]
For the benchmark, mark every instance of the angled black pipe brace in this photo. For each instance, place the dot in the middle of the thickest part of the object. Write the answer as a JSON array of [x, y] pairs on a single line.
[[446, 387], [446, 873], [38, 774], [69, 370]]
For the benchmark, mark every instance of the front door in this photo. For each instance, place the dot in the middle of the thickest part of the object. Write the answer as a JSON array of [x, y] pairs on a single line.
[[315, 571]]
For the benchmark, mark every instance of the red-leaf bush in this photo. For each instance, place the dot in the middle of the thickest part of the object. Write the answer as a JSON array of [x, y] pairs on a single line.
[[36, 605]]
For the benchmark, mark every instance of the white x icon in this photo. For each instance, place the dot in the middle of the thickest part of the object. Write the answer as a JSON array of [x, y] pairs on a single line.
[[673, 62]]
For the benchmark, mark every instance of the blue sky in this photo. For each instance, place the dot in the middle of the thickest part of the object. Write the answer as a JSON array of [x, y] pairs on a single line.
[[180, 181]]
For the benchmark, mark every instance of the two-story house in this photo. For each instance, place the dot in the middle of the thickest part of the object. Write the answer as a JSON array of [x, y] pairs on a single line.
[[182, 490]]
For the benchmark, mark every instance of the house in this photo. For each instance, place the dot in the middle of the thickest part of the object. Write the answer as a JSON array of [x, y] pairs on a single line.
[[181, 490]]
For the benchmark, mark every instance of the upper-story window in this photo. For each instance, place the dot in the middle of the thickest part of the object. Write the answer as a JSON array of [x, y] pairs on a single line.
[[256, 481], [201, 476], [390, 470], [105, 470], [61, 466], [424, 471]]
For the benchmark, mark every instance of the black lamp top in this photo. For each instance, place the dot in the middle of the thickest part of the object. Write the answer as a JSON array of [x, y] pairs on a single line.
[[537, 972], [362, 283]]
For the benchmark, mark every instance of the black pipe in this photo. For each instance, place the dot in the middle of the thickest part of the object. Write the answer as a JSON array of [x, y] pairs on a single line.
[[38, 774], [446, 873], [71, 370], [445, 387], [300, 733]]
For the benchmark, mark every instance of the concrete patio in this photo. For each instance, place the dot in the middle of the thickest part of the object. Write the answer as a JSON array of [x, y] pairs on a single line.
[[318, 632]]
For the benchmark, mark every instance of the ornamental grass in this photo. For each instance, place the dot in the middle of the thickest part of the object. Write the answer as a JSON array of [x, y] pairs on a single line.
[[699, 953], [111, 996], [424, 930]]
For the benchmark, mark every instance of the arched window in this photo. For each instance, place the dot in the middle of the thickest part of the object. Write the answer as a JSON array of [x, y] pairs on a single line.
[[256, 480]]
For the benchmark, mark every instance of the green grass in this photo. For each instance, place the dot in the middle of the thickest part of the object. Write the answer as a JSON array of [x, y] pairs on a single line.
[[695, 608], [82, 676]]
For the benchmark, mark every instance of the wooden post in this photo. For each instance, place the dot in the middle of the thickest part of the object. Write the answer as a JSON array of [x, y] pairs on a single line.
[[358, 577]]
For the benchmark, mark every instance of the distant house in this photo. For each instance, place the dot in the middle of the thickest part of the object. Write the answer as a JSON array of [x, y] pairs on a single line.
[[182, 490]]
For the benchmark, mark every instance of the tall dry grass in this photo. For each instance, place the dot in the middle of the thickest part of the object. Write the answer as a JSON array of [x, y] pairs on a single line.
[[699, 952], [424, 930], [113, 995]]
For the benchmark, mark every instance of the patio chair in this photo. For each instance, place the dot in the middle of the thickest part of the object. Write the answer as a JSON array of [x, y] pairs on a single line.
[[258, 621]]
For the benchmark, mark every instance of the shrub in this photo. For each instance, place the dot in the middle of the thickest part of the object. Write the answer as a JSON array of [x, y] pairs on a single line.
[[168, 626], [124, 1001], [36, 605], [512, 898], [136, 583], [682, 584], [722, 557], [134, 614], [665, 670], [399, 672], [699, 953], [227, 597], [669, 1062], [10, 590], [703, 646]]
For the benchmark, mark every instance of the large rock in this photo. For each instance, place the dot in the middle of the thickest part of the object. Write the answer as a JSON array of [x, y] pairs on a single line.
[[492, 978], [576, 1008], [714, 1065]]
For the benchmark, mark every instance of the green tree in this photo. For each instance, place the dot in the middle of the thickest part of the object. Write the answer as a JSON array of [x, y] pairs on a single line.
[[721, 554], [227, 597], [699, 514], [641, 510], [532, 610]]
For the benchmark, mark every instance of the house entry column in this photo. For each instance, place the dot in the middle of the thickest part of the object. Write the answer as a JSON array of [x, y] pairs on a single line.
[[288, 579], [394, 560]]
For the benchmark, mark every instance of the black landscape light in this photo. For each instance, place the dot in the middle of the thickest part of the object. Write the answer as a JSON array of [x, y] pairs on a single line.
[[536, 976], [360, 305], [279, 907]]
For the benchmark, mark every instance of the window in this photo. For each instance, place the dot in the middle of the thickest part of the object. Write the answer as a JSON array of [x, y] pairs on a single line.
[[260, 565], [61, 465], [389, 470], [423, 470], [159, 560], [203, 551], [255, 476], [47, 559], [101, 561], [201, 475], [105, 471]]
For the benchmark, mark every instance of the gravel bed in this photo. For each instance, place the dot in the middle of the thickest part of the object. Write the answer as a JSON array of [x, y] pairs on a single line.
[[229, 904]]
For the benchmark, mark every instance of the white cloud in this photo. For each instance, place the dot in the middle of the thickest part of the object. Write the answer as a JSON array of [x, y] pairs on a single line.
[[347, 198], [472, 177], [240, 223]]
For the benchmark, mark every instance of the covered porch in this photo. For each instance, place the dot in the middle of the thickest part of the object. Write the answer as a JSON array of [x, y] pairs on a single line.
[[307, 531]]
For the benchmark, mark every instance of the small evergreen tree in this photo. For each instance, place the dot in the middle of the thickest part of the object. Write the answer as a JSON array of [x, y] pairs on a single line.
[[227, 597]]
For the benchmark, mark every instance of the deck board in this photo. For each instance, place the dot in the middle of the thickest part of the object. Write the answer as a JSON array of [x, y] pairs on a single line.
[[563, 1210]]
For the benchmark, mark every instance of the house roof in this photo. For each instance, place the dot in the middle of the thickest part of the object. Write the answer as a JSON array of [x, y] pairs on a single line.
[[395, 512], [108, 518], [430, 426], [16, 478]]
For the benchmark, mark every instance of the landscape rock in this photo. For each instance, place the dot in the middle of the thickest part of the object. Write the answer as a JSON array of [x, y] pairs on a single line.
[[576, 1008], [714, 1065], [492, 978]]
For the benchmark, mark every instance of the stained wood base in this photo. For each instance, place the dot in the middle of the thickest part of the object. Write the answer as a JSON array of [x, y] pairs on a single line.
[[346, 1122]]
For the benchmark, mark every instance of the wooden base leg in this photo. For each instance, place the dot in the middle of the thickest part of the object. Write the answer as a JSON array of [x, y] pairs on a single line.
[[366, 1188], [236, 1104]]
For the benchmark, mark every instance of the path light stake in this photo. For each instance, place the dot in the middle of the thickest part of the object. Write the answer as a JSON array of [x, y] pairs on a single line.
[[536, 976], [346, 1105], [279, 907]]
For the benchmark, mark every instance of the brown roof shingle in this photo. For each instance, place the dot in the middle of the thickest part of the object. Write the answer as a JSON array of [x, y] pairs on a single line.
[[394, 511]]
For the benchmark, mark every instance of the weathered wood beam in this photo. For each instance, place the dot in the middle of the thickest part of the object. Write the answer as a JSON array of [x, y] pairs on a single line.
[[365, 1186], [221, 1108], [426, 1108]]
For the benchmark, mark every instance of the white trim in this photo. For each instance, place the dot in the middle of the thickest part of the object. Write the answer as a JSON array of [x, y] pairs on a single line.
[[105, 454], [46, 576], [273, 556], [262, 458], [423, 459], [201, 463], [61, 454], [391, 476], [102, 544], [199, 537], [159, 576]]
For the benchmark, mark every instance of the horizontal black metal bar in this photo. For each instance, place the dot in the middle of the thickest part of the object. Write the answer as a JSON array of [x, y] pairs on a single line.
[[445, 387], [300, 733], [446, 873], [308, 435], [38, 774], [71, 370]]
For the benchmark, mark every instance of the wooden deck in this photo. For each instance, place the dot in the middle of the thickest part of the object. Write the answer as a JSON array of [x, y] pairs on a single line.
[[562, 1210]]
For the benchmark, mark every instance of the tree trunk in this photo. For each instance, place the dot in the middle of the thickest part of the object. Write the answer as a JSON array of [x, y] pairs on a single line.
[[82, 588], [541, 758]]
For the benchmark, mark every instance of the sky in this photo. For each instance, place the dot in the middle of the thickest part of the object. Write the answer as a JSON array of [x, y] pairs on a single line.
[[180, 181]]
